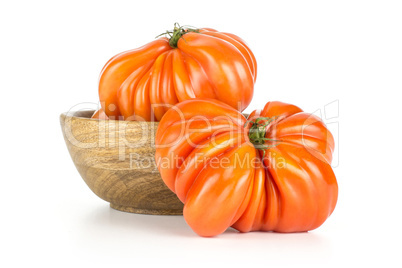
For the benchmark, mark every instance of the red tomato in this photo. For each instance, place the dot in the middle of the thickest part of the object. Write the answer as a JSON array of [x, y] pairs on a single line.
[[142, 84], [270, 173]]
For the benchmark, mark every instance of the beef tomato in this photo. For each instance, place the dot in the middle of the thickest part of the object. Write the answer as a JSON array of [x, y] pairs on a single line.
[[270, 172], [142, 84]]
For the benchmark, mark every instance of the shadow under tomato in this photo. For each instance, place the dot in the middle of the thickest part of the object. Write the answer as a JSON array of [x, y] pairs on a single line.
[[107, 231]]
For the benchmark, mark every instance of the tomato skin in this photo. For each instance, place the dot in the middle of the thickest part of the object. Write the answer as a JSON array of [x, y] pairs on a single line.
[[123, 68], [290, 187], [100, 114], [142, 84]]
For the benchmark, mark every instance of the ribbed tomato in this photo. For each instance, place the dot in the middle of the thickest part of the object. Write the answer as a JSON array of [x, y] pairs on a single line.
[[270, 172], [142, 84]]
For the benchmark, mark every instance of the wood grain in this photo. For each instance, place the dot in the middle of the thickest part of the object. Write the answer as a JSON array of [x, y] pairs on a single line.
[[116, 160]]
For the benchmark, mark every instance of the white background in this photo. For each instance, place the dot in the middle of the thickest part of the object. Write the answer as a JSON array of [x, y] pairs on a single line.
[[309, 53]]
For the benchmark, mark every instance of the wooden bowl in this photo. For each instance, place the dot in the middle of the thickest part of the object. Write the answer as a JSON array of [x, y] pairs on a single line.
[[116, 160]]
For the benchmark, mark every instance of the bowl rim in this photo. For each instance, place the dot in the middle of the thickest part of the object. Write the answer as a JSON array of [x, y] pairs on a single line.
[[86, 115]]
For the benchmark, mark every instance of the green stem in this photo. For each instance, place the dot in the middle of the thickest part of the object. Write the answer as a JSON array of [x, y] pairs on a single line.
[[257, 133], [177, 33]]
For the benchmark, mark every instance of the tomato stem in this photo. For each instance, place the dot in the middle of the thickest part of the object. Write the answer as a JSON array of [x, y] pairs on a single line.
[[177, 33], [257, 133]]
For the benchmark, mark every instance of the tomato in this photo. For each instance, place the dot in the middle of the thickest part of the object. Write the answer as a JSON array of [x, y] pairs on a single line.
[[143, 83], [270, 172], [100, 114]]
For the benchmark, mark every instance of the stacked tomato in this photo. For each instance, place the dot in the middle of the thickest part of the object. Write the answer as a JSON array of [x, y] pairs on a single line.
[[270, 171]]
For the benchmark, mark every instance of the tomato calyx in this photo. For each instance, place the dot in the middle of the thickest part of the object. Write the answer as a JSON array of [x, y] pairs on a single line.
[[177, 33], [257, 133]]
